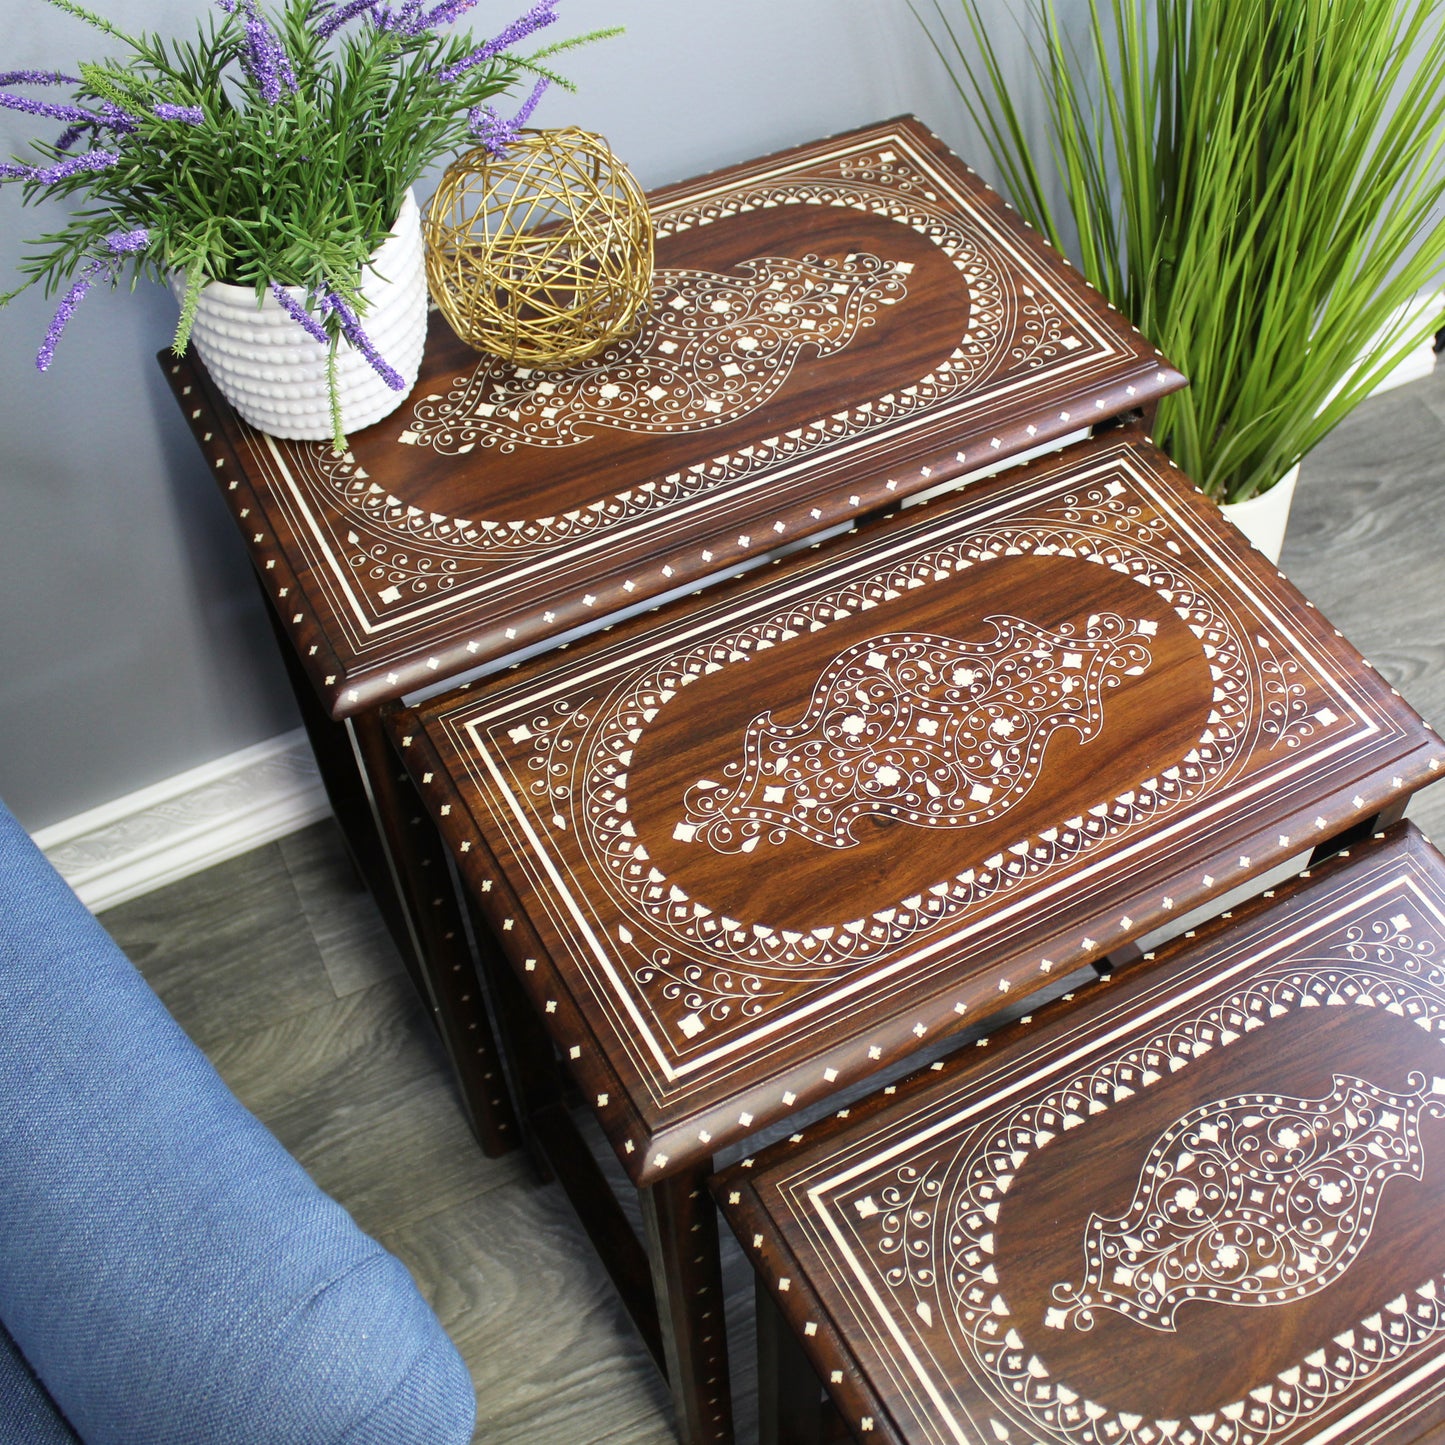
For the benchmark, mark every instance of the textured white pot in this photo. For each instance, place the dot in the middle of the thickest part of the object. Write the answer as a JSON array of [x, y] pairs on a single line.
[[1263, 519], [274, 374]]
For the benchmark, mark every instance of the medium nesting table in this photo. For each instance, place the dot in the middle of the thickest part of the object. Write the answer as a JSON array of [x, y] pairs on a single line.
[[831, 329], [1197, 1204], [763, 845]]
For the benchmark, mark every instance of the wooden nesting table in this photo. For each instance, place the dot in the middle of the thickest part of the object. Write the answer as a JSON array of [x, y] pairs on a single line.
[[764, 844], [1198, 1202], [832, 329]]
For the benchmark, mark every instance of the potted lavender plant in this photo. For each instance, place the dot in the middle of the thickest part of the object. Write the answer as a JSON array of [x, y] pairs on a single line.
[[263, 169]]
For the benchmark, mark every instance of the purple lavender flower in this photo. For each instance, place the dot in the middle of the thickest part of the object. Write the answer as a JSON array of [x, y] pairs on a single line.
[[269, 64], [542, 13], [267, 60], [122, 122], [117, 244], [412, 20], [351, 329], [62, 170], [447, 13], [64, 312], [127, 243], [497, 135], [299, 314], [36, 77], [190, 114], [341, 16], [406, 21], [48, 108], [109, 117]]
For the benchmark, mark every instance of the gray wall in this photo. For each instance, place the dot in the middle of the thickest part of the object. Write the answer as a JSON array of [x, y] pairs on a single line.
[[132, 641]]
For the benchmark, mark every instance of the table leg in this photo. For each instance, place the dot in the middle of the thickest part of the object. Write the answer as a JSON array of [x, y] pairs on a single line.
[[352, 803], [1358, 832], [395, 849], [557, 1148], [682, 1245], [790, 1395], [534, 1076], [673, 1291], [447, 973]]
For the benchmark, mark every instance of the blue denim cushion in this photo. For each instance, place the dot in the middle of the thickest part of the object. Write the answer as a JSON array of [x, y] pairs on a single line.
[[167, 1268], [27, 1414]]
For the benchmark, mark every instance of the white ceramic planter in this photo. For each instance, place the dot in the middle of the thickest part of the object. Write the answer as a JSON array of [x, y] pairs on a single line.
[[274, 374], [1263, 518]]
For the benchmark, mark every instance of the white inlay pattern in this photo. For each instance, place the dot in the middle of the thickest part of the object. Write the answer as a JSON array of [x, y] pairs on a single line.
[[727, 963], [1019, 322], [1253, 1200], [711, 349], [919, 728]]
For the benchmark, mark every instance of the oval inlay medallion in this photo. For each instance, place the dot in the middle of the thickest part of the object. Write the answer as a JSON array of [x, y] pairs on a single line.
[[1252, 1200], [922, 729]]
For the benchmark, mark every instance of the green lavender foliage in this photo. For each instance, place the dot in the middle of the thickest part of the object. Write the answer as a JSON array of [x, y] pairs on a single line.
[[300, 192], [1256, 184]]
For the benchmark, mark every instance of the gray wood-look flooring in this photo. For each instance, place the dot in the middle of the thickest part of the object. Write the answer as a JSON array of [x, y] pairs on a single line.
[[279, 967]]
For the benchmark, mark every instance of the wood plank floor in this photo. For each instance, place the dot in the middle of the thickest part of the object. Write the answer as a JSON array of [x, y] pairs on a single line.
[[278, 966]]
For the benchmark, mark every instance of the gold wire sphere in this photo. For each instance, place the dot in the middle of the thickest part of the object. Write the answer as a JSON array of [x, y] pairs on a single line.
[[542, 256]]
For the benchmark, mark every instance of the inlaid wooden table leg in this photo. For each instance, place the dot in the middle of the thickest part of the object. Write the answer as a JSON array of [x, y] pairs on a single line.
[[556, 1147], [790, 1395], [448, 973], [370, 794], [536, 1083], [682, 1242], [351, 802]]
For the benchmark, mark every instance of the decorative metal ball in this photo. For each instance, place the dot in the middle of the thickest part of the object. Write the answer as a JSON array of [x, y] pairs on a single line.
[[542, 256]]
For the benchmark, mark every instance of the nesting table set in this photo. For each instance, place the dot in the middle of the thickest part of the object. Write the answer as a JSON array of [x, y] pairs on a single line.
[[733, 832]]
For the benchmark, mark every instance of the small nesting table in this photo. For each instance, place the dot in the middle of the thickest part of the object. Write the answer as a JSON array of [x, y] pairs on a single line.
[[832, 329], [762, 845], [1198, 1202]]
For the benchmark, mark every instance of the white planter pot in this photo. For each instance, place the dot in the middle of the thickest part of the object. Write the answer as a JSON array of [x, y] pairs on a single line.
[[1262, 519], [274, 374]]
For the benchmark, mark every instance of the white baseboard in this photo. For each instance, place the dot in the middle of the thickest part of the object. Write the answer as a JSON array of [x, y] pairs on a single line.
[[187, 823]]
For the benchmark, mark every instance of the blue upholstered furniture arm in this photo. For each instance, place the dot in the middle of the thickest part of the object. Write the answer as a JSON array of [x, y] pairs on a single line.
[[27, 1414], [167, 1269]]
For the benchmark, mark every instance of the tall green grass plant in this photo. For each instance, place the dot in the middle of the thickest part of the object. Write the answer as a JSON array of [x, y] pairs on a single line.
[[1256, 184]]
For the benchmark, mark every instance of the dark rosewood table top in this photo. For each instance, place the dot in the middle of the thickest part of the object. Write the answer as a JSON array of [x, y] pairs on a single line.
[[776, 836], [831, 328], [1198, 1204]]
